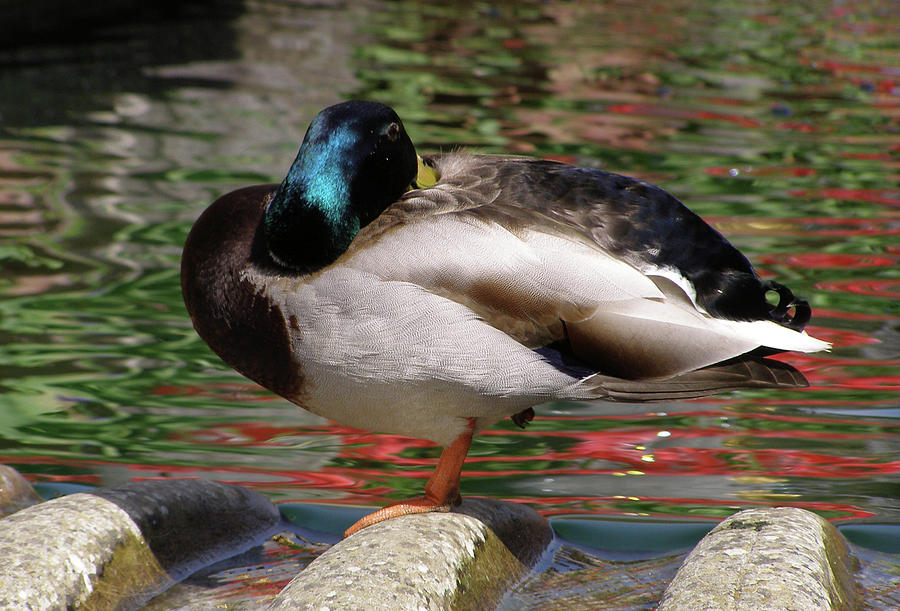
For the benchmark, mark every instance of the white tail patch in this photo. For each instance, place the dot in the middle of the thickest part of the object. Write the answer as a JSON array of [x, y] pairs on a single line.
[[648, 338]]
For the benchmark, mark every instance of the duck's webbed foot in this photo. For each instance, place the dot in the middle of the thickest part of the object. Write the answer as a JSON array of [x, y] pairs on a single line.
[[441, 491], [403, 508]]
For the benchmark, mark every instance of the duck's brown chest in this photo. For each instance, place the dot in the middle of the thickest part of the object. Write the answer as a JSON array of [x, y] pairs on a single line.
[[235, 318]]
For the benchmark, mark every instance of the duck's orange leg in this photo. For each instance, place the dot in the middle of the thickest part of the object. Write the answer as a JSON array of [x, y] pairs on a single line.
[[441, 490]]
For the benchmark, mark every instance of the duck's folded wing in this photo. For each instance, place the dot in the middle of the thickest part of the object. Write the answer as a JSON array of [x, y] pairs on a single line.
[[408, 347], [540, 287], [735, 374], [655, 338]]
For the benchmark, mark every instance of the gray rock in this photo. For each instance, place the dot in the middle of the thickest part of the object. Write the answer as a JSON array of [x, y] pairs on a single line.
[[72, 552], [193, 523], [15, 491], [461, 560], [777, 559], [117, 547]]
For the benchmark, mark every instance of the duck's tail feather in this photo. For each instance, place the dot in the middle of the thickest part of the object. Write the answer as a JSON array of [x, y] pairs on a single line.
[[735, 374]]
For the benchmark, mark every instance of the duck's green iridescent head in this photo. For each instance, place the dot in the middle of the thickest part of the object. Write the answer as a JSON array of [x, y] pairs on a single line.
[[355, 160]]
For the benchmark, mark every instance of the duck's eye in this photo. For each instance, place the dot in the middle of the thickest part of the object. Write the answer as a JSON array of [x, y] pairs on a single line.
[[393, 132]]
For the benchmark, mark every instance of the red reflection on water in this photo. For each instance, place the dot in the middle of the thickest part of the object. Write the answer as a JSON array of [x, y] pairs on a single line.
[[619, 447], [872, 288], [762, 171], [805, 226], [88, 479], [625, 450], [252, 433], [823, 260], [682, 113], [877, 383], [839, 67], [726, 101], [616, 446], [890, 197], [842, 314], [870, 156], [814, 363]]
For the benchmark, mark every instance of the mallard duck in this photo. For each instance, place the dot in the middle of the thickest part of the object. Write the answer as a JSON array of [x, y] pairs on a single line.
[[434, 296]]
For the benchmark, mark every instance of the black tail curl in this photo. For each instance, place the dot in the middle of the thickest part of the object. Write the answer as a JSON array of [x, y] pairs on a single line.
[[780, 312]]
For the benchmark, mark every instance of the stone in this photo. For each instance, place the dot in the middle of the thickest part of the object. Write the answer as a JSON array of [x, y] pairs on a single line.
[[193, 523], [776, 559], [115, 548], [59, 554], [15, 492], [466, 559]]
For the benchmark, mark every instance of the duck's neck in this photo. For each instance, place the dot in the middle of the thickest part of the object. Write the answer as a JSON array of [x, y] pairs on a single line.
[[311, 221]]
